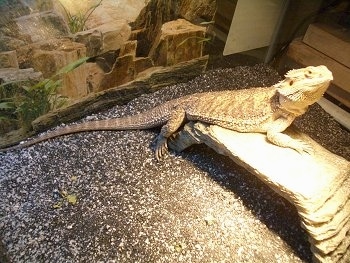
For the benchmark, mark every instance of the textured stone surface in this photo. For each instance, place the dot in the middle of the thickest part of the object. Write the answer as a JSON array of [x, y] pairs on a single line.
[[10, 9], [111, 10], [317, 184], [43, 25], [9, 43], [50, 56], [41, 40], [149, 22], [108, 11], [106, 37], [94, 76], [177, 41], [157, 12], [143, 63], [8, 59], [13, 74], [194, 10]]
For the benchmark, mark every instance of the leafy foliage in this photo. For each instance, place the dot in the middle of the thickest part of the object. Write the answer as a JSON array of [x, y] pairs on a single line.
[[70, 199], [77, 21], [26, 103], [21, 103]]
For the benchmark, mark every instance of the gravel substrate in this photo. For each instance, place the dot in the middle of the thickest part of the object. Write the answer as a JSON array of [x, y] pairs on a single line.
[[197, 206]]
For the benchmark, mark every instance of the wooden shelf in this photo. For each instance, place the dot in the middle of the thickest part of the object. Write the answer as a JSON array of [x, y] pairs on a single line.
[[329, 46], [331, 41]]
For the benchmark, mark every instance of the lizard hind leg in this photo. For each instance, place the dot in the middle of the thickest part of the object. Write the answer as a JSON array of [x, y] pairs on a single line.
[[175, 121]]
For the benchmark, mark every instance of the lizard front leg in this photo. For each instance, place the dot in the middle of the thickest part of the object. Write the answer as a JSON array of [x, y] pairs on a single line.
[[175, 121], [275, 135]]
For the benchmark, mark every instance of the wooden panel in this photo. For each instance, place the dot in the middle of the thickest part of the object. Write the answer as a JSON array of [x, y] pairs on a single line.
[[307, 56], [332, 41], [339, 94]]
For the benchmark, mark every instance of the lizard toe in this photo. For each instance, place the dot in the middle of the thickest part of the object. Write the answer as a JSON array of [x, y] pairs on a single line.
[[303, 147], [160, 152], [161, 148]]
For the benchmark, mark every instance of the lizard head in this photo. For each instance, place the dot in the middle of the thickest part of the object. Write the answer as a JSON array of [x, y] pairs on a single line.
[[303, 87]]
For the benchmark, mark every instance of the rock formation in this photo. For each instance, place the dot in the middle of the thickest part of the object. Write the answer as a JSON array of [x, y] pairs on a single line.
[[317, 184], [177, 41], [42, 40]]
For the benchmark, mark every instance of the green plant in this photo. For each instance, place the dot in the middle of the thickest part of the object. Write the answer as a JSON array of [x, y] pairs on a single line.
[[21, 103], [77, 21], [71, 199], [200, 40], [29, 102]]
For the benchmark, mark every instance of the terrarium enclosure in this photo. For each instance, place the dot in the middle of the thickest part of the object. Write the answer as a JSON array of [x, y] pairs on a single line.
[[102, 195], [78, 56], [120, 41]]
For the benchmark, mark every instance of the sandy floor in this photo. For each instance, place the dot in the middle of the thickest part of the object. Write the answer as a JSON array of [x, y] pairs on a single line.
[[196, 206]]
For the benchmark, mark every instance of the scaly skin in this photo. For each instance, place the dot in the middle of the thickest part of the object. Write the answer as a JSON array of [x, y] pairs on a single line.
[[267, 110]]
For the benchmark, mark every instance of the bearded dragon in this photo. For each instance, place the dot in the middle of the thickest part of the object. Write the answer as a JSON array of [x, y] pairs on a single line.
[[267, 110]]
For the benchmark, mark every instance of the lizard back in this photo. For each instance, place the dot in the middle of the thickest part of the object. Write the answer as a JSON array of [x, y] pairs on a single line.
[[242, 110]]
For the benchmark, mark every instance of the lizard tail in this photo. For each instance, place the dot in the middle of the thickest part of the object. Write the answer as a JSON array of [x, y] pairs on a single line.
[[149, 119]]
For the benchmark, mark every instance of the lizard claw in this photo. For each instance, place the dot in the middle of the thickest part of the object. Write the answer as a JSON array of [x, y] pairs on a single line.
[[161, 147], [303, 147]]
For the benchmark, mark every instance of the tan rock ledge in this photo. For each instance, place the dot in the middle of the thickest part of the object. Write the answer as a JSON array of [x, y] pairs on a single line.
[[317, 184]]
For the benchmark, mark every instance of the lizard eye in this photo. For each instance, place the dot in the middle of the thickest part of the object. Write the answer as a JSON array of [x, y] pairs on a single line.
[[291, 82], [308, 74]]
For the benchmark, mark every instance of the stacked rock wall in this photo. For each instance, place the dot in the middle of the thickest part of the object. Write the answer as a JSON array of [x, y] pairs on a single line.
[[41, 39]]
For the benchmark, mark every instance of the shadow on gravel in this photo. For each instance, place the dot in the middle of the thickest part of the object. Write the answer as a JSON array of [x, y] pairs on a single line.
[[274, 211]]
